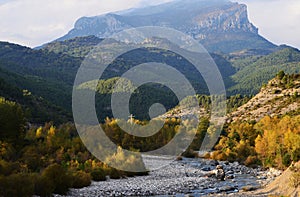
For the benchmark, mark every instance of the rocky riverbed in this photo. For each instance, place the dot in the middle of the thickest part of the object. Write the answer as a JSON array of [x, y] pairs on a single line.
[[184, 177]]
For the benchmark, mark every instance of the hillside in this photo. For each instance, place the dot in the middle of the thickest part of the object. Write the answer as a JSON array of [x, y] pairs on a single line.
[[242, 75], [75, 47], [244, 72], [279, 97], [37, 109], [218, 25], [45, 64], [255, 70], [39, 81]]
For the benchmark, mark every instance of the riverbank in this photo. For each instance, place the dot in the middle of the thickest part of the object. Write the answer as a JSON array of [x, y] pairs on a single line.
[[185, 177]]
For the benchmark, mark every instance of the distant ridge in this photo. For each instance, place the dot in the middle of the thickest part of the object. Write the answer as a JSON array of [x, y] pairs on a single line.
[[221, 26]]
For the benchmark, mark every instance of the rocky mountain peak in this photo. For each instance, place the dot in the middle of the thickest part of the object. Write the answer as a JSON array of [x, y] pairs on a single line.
[[218, 25]]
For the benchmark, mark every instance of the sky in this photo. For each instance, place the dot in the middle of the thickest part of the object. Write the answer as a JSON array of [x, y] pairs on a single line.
[[35, 22]]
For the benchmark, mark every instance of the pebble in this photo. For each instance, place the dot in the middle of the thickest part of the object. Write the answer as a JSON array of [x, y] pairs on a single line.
[[181, 177]]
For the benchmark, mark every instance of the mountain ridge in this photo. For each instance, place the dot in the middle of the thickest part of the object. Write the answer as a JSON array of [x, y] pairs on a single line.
[[218, 25]]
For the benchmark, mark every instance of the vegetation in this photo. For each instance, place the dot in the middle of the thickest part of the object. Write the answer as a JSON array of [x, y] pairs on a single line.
[[48, 74], [255, 71], [48, 159], [35, 87], [272, 142]]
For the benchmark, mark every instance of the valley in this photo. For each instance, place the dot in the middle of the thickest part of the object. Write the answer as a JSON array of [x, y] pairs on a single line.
[[43, 153]]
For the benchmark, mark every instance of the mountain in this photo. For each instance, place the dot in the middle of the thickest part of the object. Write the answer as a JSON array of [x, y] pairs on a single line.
[[220, 25]]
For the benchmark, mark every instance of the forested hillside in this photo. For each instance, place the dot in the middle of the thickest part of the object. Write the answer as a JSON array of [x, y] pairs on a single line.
[[49, 72], [254, 71]]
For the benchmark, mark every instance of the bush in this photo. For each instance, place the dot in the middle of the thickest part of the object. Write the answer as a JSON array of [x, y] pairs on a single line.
[[219, 155], [286, 160], [61, 180], [232, 156], [7, 168], [43, 187], [81, 179], [17, 185], [252, 160], [189, 153], [98, 175], [114, 174]]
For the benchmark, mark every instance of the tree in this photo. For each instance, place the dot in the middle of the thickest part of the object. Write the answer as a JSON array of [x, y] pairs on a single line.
[[12, 121], [280, 74]]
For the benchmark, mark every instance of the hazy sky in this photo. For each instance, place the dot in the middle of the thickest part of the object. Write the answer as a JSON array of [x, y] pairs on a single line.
[[34, 22]]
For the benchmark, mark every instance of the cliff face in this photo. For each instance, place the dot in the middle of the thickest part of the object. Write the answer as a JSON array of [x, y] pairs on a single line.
[[219, 25], [230, 18]]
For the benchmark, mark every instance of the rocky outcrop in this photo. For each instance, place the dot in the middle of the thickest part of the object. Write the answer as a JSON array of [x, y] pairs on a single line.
[[218, 25]]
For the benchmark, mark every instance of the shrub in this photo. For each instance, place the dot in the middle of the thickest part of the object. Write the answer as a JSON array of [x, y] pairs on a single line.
[[59, 177], [81, 179], [280, 74], [114, 174], [98, 175], [232, 156], [7, 168], [17, 185], [286, 160], [251, 160], [43, 187], [189, 153], [219, 155]]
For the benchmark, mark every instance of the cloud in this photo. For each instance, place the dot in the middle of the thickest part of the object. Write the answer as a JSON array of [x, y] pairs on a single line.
[[34, 22], [42, 21], [144, 3], [277, 20]]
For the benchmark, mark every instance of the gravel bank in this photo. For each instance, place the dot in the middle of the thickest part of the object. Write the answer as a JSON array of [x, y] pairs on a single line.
[[187, 177]]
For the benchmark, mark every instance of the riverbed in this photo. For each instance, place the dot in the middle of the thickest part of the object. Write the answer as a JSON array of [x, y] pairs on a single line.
[[183, 177]]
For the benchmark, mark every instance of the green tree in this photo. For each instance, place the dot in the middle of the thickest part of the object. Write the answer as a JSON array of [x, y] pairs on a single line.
[[280, 74], [12, 121]]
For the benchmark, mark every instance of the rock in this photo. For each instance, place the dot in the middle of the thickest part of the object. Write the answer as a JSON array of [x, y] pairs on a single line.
[[249, 188], [274, 172], [226, 188], [230, 172], [230, 176], [220, 173], [262, 177], [213, 163], [172, 180], [206, 168]]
